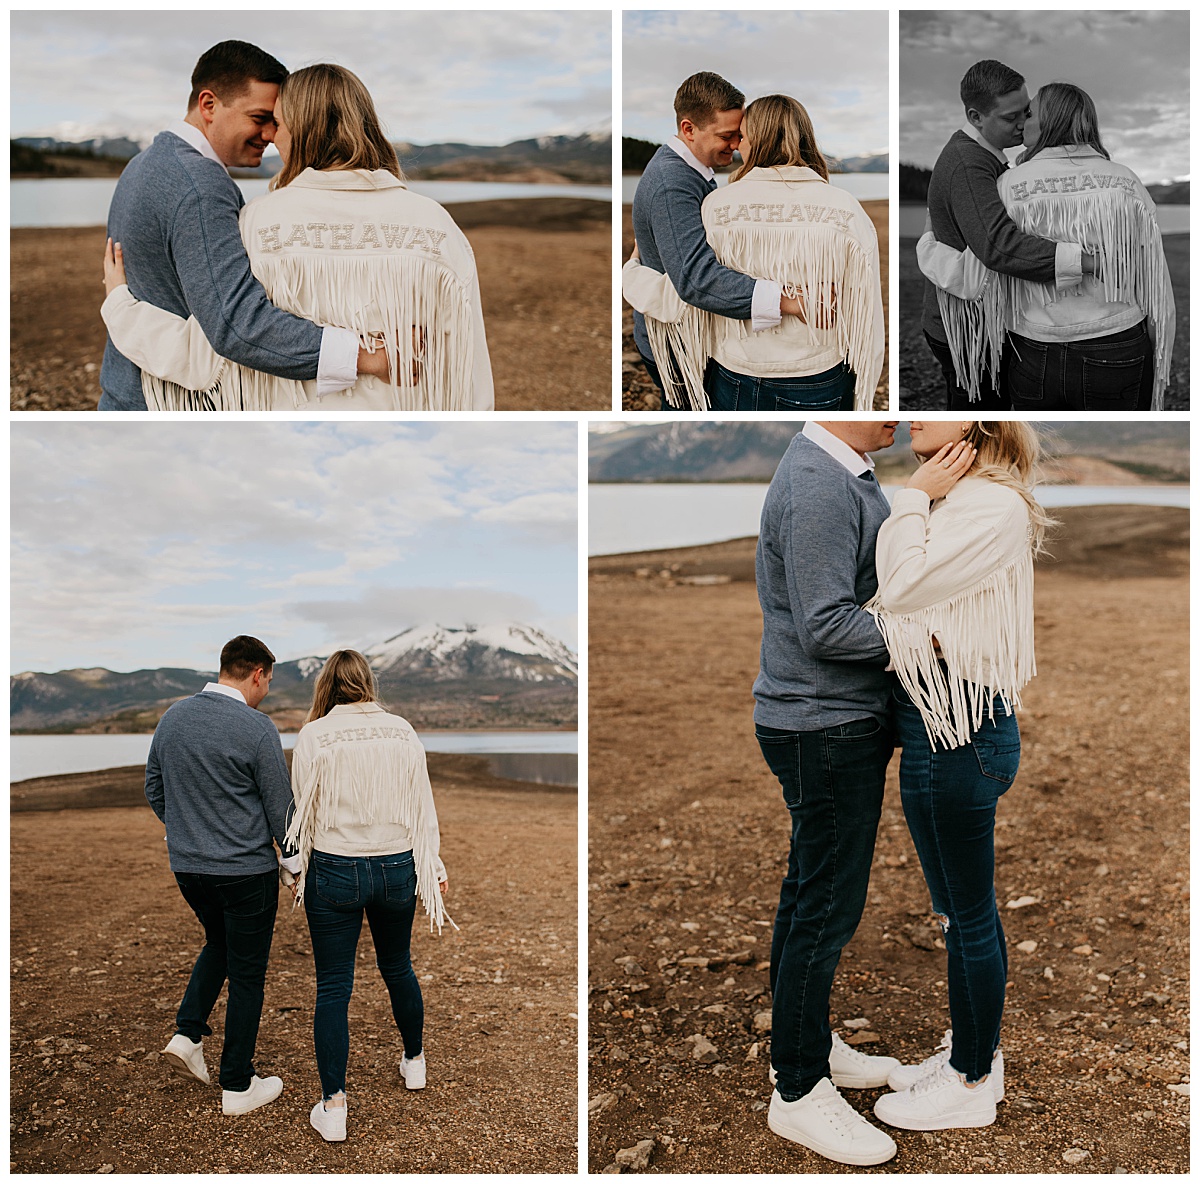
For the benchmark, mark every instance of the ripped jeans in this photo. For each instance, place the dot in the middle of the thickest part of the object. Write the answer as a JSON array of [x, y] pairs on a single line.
[[949, 800]]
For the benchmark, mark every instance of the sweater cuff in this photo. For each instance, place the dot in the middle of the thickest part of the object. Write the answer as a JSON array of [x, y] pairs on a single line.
[[911, 501]]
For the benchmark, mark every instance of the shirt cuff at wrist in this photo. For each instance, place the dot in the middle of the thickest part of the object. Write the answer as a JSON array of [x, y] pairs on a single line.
[[764, 305], [337, 368], [1068, 265]]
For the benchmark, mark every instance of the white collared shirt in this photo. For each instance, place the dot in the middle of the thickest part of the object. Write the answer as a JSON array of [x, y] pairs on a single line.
[[977, 136], [764, 302], [337, 366], [851, 460], [220, 688]]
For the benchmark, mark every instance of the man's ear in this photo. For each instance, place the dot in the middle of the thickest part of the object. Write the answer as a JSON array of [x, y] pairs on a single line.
[[206, 102], [974, 118], [687, 130]]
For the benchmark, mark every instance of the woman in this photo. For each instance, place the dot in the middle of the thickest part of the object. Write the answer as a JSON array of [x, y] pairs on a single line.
[[780, 219], [367, 833], [338, 241], [955, 604], [1103, 345]]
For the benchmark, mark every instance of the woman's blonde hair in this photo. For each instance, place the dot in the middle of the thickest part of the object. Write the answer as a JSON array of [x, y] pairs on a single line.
[[780, 133], [346, 677], [333, 124], [1011, 453]]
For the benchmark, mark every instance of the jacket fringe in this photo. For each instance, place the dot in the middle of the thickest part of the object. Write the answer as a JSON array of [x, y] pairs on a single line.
[[986, 638], [1123, 232], [975, 332], [434, 367], [386, 782], [681, 350]]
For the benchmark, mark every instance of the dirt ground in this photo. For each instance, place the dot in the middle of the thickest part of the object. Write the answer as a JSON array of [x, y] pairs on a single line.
[[545, 274], [638, 390], [688, 842], [102, 948], [922, 387]]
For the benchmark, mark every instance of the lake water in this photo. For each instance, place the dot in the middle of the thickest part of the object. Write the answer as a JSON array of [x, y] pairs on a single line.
[[79, 201], [864, 186], [1171, 219], [52, 756], [625, 518]]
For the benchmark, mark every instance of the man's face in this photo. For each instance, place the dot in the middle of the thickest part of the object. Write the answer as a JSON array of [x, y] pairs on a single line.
[[260, 684], [715, 144], [241, 129], [1004, 125], [865, 435]]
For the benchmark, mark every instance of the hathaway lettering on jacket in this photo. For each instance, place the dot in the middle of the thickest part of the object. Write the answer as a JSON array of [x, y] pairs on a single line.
[[339, 236], [1074, 183], [379, 732], [774, 213]]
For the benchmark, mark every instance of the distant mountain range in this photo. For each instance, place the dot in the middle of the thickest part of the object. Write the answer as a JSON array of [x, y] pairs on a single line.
[[493, 677], [683, 451], [584, 159]]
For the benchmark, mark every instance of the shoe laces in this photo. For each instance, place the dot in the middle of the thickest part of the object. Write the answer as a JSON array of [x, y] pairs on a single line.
[[840, 1112], [850, 1051], [936, 1076]]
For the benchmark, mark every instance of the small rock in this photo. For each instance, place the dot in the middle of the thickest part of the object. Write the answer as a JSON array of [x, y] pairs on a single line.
[[1048, 973], [863, 1038], [1022, 902], [690, 926], [702, 963], [703, 1049], [762, 1021], [1184, 1090], [600, 1103], [1027, 947], [104, 1169], [856, 1024], [1162, 1073], [752, 1052], [757, 1106], [1074, 1155], [636, 1158], [613, 1169], [1084, 949]]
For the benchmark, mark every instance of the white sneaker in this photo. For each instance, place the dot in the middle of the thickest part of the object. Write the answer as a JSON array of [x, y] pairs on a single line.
[[329, 1124], [906, 1076], [940, 1101], [413, 1071], [185, 1057], [851, 1069], [824, 1122], [260, 1091]]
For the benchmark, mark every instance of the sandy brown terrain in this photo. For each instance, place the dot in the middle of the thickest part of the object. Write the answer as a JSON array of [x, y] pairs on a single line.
[[102, 948], [545, 274], [638, 392], [688, 841]]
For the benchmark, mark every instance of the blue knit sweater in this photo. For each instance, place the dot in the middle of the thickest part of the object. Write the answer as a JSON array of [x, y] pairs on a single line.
[[175, 212], [823, 658], [670, 237], [217, 779]]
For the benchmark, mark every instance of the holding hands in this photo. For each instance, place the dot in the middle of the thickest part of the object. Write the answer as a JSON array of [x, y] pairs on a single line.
[[942, 471]]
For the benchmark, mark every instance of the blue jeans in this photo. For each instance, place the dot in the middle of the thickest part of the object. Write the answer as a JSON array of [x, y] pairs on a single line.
[[832, 784], [238, 915], [949, 800], [1111, 373], [337, 891], [831, 390]]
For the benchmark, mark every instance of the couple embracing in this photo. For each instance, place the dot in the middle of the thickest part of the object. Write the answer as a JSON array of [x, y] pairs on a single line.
[[907, 625], [339, 289], [358, 834], [763, 295]]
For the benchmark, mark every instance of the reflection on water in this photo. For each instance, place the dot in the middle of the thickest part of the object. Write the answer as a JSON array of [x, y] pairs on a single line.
[[548, 768]]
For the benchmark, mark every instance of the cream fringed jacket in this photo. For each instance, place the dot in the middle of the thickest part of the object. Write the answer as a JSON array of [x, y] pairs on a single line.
[[361, 787], [1068, 194], [350, 248], [786, 224], [960, 570]]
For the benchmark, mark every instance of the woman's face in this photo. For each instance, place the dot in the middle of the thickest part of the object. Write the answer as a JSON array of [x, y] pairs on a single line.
[[930, 435], [1032, 126], [283, 136]]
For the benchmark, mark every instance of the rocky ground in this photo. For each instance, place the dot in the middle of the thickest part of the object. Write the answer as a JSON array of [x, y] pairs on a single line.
[[922, 387], [545, 274], [688, 839], [638, 390], [102, 945]]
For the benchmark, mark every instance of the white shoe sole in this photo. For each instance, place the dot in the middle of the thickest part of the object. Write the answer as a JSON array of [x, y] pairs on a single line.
[[843, 1082], [407, 1083], [240, 1108], [939, 1122], [837, 1155], [329, 1138], [901, 1084], [180, 1066]]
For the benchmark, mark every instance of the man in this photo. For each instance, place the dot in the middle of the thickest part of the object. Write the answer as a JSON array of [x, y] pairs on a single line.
[[821, 720], [966, 211], [175, 212], [667, 223], [216, 778]]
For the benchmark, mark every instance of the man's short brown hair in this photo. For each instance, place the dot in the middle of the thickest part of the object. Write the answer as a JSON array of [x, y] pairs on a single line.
[[230, 66], [701, 97], [242, 656]]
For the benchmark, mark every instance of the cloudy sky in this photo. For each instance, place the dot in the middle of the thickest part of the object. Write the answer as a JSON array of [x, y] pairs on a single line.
[[151, 544], [477, 78], [835, 63], [1133, 64]]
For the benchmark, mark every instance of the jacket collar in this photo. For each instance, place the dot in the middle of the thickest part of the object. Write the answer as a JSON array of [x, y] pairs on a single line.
[[346, 179], [783, 172], [356, 709], [1066, 150]]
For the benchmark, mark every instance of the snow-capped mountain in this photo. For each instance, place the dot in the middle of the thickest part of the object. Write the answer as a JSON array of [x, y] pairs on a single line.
[[509, 650]]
